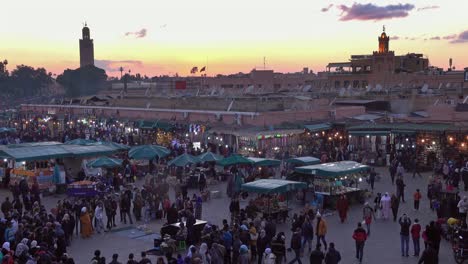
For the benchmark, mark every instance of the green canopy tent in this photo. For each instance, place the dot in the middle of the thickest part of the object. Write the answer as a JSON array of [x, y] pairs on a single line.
[[105, 162], [209, 156], [80, 141], [117, 146], [148, 152], [183, 160], [234, 160], [333, 169], [303, 161], [260, 162], [269, 186]]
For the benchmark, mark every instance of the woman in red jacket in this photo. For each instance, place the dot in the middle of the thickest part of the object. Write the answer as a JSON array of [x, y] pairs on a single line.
[[360, 237]]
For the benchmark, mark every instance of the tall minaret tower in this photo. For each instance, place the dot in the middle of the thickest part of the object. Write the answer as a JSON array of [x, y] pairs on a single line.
[[383, 42], [86, 48]]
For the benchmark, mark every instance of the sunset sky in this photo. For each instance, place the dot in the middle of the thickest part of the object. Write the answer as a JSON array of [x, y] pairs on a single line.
[[157, 37]]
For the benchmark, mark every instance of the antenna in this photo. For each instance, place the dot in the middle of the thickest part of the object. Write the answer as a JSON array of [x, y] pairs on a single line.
[[264, 63], [383, 28]]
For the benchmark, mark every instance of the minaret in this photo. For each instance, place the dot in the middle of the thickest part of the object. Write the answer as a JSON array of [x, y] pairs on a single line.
[[86, 48], [383, 42]]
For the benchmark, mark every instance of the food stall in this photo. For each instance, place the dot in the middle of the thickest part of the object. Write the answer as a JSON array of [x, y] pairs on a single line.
[[334, 179], [265, 168], [38, 161], [272, 201]]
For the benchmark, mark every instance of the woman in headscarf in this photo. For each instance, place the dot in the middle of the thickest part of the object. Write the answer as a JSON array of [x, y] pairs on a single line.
[[22, 250], [204, 253], [268, 257], [217, 252], [86, 226], [244, 257], [342, 206], [385, 204]]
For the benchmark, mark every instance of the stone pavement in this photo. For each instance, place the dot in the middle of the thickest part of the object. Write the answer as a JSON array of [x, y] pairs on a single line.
[[383, 246]]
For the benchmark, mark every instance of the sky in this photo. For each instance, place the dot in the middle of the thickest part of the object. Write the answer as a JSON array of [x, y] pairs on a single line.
[[155, 37]]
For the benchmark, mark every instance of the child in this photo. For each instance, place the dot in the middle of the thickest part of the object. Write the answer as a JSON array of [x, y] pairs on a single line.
[[415, 235], [417, 197]]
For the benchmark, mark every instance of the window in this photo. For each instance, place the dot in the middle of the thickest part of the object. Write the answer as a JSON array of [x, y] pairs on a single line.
[[346, 84], [337, 84], [355, 84], [277, 86]]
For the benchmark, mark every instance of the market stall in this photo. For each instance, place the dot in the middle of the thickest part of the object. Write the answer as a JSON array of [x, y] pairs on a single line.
[[272, 201], [265, 168], [334, 179], [38, 161]]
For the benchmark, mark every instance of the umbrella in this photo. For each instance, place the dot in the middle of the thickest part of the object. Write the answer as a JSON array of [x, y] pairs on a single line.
[[148, 152], [105, 162], [234, 160], [209, 156], [114, 145], [183, 160], [80, 141]]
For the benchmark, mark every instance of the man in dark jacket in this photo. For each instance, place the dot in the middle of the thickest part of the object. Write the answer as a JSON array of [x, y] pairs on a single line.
[[333, 256], [400, 188], [405, 224], [317, 256], [360, 237], [296, 246], [429, 256]]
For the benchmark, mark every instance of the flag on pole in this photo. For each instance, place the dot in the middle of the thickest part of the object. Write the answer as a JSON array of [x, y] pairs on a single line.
[[203, 69], [194, 70]]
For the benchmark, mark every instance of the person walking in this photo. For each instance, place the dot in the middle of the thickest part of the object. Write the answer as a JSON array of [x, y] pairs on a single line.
[[417, 197], [385, 205], [429, 256], [360, 238], [393, 170], [321, 230], [395, 203], [342, 207], [316, 256], [372, 176], [99, 216], [333, 256], [416, 235], [368, 214], [400, 171], [307, 233], [405, 223], [400, 188], [296, 246], [415, 166]]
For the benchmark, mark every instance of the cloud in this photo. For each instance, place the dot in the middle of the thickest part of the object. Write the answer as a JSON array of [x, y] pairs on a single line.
[[325, 9], [449, 37], [424, 8], [435, 38], [374, 12], [462, 38], [394, 38], [137, 34], [114, 65]]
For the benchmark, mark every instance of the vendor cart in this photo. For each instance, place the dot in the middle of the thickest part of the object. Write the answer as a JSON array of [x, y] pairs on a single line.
[[331, 180]]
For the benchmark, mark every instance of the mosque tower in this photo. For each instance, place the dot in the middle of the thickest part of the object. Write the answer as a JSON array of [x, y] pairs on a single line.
[[86, 48], [383, 42]]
